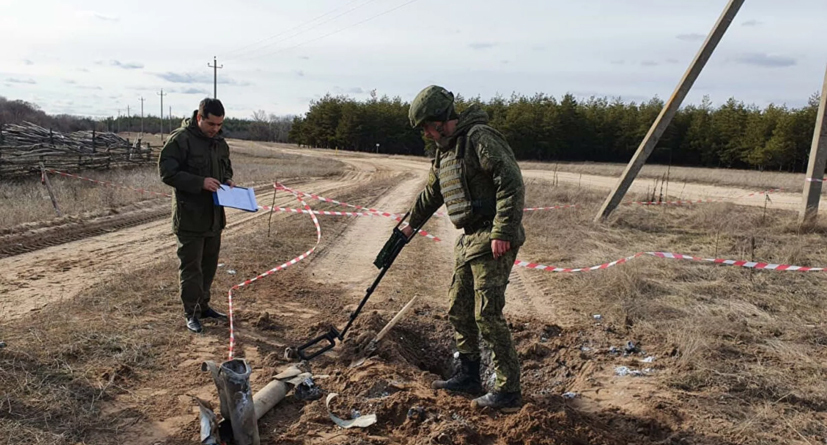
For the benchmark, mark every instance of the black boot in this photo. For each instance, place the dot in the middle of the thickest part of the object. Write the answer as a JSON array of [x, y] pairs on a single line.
[[466, 378], [503, 401], [212, 313], [193, 324]]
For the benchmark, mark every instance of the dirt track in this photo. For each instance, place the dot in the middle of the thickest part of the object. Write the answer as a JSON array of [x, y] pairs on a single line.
[[30, 281], [98, 249]]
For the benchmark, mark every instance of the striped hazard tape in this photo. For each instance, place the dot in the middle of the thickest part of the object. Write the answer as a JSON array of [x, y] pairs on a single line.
[[765, 192], [671, 203], [273, 270], [394, 216], [673, 256], [317, 212], [532, 209], [333, 201]]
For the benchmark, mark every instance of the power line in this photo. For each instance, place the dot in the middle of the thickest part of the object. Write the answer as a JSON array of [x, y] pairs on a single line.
[[246, 56], [243, 49], [339, 30]]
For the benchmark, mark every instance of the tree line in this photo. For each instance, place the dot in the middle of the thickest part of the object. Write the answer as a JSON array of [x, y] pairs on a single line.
[[538, 127], [541, 127], [261, 127]]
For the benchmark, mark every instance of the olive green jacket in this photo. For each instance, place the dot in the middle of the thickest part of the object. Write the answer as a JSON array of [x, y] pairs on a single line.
[[189, 157]]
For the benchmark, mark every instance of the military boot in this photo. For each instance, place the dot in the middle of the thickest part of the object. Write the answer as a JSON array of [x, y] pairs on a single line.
[[507, 402], [466, 378]]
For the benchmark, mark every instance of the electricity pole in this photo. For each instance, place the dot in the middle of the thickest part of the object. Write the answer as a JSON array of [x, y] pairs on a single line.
[[215, 68], [162, 114], [817, 163], [669, 110], [128, 120], [118, 122], [142, 116]]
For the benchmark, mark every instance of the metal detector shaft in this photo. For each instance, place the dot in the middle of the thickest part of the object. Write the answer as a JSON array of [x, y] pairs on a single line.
[[383, 261]]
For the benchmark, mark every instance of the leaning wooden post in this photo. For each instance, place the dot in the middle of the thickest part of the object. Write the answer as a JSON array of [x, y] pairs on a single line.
[[669, 110], [817, 164], [44, 178]]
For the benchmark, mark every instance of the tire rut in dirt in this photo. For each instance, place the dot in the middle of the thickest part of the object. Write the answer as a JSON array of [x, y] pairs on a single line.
[[18, 244]]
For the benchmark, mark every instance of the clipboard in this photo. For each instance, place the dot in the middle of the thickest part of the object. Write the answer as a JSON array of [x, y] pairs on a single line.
[[241, 198]]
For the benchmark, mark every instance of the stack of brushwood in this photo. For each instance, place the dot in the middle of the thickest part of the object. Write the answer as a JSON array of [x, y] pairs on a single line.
[[24, 147]]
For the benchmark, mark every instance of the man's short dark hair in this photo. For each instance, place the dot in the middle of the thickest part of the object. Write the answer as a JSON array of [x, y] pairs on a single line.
[[209, 107]]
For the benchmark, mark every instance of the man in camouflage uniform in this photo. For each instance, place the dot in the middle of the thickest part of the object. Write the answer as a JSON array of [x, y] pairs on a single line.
[[196, 161], [476, 176]]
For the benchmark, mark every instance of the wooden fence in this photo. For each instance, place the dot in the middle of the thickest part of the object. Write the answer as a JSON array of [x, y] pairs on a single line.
[[24, 147]]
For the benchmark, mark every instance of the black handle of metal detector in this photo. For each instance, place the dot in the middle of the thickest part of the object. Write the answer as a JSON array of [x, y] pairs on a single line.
[[330, 336], [383, 261]]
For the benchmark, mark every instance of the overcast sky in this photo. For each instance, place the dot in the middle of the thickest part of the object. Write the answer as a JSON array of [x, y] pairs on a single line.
[[96, 57]]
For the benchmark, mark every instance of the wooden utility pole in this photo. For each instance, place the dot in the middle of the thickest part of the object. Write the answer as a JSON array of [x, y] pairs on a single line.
[[142, 115], [215, 69], [817, 163], [162, 113], [669, 110]]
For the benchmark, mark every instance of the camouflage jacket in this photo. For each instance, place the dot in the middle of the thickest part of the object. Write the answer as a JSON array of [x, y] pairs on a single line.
[[494, 181], [188, 157]]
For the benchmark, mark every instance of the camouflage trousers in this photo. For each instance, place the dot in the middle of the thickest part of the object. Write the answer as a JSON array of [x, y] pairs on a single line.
[[476, 301]]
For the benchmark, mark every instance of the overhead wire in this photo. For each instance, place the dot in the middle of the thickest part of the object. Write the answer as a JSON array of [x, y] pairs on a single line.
[[246, 53], [244, 48], [336, 31]]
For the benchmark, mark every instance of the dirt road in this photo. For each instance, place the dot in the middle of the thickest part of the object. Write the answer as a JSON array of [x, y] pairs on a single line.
[[30, 281]]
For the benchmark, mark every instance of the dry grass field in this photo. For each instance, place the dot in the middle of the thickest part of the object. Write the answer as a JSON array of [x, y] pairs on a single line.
[[752, 179], [734, 355], [27, 201]]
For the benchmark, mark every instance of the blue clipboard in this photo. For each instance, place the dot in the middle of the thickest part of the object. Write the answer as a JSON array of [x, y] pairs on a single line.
[[242, 198]]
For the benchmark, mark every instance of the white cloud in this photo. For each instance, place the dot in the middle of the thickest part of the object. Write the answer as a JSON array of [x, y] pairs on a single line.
[[17, 80], [98, 15]]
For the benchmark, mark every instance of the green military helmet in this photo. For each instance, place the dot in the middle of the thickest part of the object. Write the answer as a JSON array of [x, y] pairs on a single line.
[[433, 104]]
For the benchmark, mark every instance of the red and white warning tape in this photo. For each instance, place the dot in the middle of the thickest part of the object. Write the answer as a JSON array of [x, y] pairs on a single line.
[[671, 203], [333, 201], [531, 209], [765, 192], [322, 212], [107, 183], [674, 256], [273, 270], [395, 216]]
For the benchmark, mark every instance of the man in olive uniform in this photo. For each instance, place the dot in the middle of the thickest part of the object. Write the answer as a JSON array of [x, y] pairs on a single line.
[[476, 176], [196, 161]]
